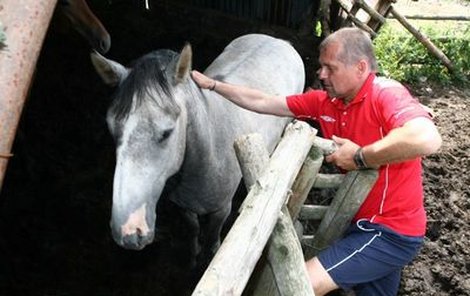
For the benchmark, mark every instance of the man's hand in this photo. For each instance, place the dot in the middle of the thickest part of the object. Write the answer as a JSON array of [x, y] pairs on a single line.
[[344, 156], [202, 80]]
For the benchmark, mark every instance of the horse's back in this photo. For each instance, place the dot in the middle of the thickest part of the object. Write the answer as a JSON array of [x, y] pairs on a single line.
[[262, 62]]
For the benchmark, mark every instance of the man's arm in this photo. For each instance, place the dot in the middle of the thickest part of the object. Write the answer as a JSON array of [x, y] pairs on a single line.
[[417, 137], [245, 97]]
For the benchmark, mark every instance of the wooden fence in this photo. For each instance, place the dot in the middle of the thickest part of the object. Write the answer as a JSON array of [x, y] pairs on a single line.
[[278, 188]]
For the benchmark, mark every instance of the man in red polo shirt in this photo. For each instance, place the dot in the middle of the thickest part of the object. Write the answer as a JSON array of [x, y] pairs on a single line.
[[376, 124]]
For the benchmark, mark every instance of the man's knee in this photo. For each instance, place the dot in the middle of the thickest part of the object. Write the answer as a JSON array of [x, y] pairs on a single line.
[[321, 281]]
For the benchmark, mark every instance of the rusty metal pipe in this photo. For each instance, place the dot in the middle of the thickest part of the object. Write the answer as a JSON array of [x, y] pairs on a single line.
[[25, 23]]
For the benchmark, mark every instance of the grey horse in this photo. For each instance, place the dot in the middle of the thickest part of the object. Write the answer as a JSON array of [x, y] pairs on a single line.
[[165, 128]]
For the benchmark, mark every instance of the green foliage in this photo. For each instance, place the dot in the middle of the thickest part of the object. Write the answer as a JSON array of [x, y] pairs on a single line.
[[404, 58]]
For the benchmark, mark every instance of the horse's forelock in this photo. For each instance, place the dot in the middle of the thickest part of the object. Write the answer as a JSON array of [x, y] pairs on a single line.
[[147, 80]]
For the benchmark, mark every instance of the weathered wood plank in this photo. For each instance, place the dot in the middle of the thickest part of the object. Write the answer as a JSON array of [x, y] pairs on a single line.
[[281, 273], [325, 145], [313, 212], [304, 181], [347, 200], [435, 17], [328, 180], [354, 19], [235, 260], [433, 49], [283, 267]]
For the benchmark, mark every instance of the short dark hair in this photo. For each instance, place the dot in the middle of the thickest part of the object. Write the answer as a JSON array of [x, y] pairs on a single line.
[[355, 45]]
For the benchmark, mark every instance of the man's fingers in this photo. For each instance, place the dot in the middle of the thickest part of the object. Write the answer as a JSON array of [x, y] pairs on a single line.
[[339, 140]]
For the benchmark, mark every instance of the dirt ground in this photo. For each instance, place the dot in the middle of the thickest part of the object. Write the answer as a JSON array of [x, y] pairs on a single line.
[[56, 200], [443, 266]]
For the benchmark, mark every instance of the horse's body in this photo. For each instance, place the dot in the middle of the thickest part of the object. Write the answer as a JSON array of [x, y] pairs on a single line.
[[86, 23], [188, 134]]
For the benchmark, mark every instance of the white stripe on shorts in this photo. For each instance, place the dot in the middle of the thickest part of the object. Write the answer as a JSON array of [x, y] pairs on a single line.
[[355, 252]]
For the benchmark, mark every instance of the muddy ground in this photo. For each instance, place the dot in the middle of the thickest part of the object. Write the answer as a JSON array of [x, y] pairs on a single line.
[[56, 199], [443, 266]]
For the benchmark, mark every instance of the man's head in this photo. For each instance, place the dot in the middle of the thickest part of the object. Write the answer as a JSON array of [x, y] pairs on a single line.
[[346, 60]]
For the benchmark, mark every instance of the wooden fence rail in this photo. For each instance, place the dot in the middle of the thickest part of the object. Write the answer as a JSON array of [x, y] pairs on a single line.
[[281, 271], [269, 211], [235, 260]]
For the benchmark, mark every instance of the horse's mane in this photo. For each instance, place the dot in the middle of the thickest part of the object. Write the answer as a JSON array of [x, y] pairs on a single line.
[[148, 79]]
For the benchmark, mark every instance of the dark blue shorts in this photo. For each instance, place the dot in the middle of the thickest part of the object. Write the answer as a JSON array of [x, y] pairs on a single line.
[[369, 259]]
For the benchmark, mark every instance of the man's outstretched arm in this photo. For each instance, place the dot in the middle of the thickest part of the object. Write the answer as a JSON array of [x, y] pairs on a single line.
[[245, 97]]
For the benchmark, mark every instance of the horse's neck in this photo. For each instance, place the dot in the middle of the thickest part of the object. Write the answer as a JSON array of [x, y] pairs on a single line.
[[200, 130], [205, 123]]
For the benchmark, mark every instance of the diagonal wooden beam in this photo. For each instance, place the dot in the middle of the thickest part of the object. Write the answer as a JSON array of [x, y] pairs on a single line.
[[236, 258], [25, 24]]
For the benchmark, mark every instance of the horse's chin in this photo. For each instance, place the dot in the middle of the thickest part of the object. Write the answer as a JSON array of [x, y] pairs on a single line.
[[134, 241], [134, 230]]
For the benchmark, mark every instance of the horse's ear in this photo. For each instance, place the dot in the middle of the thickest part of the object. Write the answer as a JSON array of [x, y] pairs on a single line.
[[183, 67], [110, 71]]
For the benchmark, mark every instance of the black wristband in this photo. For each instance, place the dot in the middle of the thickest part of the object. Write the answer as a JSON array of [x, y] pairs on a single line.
[[359, 159]]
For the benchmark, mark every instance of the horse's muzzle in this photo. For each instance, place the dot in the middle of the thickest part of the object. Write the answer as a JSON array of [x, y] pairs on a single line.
[[132, 232], [134, 241]]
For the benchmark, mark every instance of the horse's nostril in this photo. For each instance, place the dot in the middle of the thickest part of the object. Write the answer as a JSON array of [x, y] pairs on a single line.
[[104, 46]]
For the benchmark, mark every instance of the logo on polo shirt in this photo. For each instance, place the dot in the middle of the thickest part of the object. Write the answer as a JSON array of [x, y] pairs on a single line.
[[327, 118]]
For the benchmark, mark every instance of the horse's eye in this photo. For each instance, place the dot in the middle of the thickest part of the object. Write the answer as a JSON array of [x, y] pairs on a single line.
[[166, 134]]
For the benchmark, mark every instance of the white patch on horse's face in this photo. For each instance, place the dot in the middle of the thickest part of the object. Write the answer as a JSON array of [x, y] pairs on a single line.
[[150, 149], [136, 223]]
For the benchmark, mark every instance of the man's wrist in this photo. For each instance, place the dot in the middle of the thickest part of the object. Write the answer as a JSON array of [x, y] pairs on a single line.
[[359, 159], [213, 85]]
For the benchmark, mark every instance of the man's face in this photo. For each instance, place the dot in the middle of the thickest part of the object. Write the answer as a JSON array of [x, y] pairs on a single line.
[[339, 80]]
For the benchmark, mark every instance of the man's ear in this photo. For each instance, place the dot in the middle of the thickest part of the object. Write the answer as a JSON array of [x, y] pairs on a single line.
[[363, 67]]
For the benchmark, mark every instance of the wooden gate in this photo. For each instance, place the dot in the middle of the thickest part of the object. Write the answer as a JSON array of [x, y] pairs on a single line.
[[279, 185]]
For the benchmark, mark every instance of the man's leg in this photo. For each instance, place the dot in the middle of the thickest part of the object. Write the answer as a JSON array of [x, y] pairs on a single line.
[[365, 254], [387, 285], [322, 282]]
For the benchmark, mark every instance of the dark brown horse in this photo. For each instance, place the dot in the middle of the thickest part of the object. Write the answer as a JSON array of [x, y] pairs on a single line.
[[86, 23]]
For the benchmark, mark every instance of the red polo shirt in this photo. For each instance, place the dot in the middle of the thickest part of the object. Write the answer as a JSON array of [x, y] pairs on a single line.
[[396, 200]]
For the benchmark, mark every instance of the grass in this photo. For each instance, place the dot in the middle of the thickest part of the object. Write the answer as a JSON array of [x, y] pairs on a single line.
[[404, 58]]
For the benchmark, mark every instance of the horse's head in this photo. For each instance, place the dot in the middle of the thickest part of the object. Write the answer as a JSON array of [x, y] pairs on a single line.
[[86, 23], [148, 122]]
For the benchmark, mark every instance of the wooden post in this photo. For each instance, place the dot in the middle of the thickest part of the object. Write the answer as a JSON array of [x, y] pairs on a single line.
[[423, 39], [325, 145], [382, 8], [25, 23], [282, 272], [435, 17], [325, 17], [348, 199], [328, 180], [313, 212], [235, 260], [304, 181], [354, 19], [371, 11], [3, 37]]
